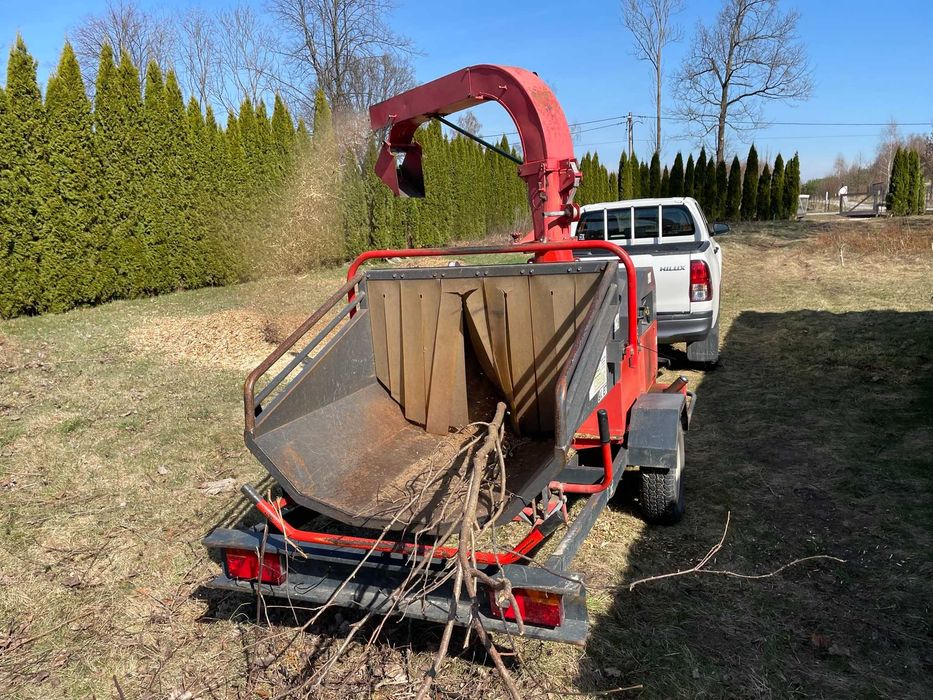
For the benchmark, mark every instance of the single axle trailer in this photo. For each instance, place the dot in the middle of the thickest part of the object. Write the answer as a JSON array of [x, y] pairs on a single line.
[[365, 426]]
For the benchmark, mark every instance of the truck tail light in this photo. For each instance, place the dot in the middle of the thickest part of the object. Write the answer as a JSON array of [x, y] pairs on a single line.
[[538, 608], [244, 564], [701, 289]]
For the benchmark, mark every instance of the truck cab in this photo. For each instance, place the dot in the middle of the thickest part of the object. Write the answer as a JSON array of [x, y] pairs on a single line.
[[672, 236]]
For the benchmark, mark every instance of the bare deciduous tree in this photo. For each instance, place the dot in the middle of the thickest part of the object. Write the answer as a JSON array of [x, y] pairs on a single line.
[[345, 48], [649, 21], [468, 122], [247, 50], [750, 55], [888, 144], [375, 78], [126, 27], [198, 53]]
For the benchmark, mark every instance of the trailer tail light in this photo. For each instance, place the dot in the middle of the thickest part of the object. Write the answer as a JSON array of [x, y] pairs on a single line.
[[701, 288], [538, 608], [244, 564]]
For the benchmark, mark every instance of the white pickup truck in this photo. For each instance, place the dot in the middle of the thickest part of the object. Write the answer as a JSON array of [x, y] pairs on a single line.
[[671, 235]]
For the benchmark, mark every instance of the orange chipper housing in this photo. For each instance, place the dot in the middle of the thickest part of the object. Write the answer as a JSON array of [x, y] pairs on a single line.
[[549, 167]]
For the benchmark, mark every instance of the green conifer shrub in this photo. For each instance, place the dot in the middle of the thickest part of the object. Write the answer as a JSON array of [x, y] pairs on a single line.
[[677, 177], [763, 201], [734, 196], [777, 189], [750, 186]]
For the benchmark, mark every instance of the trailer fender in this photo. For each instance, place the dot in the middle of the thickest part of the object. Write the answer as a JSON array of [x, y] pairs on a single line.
[[652, 434]]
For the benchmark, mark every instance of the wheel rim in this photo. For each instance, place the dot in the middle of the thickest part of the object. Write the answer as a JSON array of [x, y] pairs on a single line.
[[679, 471]]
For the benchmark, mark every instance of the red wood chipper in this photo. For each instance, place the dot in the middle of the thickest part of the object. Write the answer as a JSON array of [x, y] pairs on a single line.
[[350, 422]]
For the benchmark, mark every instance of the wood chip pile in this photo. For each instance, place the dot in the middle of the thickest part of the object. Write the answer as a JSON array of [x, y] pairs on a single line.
[[235, 340]]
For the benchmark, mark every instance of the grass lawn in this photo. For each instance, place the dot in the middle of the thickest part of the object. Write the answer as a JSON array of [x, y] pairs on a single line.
[[815, 434]]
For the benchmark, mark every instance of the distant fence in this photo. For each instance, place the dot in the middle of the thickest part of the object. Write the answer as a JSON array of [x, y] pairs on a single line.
[[868, 203], [864, 203]]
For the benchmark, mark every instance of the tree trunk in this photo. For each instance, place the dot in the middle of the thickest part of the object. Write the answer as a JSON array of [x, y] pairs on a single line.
[[721, 127], [657, 104]]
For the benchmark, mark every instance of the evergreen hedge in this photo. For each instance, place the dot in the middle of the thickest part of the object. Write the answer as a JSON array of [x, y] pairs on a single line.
[[138, 192]]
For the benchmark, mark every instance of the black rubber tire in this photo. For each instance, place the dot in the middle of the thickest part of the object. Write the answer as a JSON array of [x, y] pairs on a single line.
[[661, 496], [705, 352]]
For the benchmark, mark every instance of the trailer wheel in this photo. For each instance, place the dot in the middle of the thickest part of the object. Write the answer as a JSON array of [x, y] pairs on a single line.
[[662, 493], [705, 352]]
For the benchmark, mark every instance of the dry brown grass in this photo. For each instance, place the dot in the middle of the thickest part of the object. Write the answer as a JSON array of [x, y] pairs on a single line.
[[814, 434], [888, 238]]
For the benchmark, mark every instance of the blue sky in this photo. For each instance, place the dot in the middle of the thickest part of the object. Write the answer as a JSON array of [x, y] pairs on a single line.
[[868, 64]]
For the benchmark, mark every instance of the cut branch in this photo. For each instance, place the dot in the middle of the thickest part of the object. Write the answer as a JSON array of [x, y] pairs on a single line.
[[714, 550]]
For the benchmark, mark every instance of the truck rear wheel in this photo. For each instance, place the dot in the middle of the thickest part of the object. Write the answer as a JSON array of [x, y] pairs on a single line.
[[661, 496], [706, 351]]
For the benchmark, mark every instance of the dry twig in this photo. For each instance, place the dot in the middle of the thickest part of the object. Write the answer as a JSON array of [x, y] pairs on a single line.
[[698, 568]]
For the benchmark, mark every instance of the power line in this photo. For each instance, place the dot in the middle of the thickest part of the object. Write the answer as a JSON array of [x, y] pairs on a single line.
[[619, 120], [757, 138], [766, 123]]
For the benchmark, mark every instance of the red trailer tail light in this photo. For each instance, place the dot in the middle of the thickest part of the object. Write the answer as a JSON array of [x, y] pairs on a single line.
[[701, 289], [244, 564], [538, 608]]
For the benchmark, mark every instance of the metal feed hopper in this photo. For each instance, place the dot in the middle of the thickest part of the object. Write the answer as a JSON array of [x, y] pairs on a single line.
[[364, 424]]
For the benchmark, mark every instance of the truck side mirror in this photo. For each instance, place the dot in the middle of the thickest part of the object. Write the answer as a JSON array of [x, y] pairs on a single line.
[[720, 229]]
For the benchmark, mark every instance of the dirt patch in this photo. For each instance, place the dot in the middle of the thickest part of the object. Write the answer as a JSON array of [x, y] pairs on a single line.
[[237, 340]]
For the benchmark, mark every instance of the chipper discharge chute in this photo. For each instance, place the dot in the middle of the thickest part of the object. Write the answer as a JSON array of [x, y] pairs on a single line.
[[369, 427]]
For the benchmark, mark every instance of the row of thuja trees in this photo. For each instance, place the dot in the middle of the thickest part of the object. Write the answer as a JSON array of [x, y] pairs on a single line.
[[137, 191], [726, 194], [133, 193], [906, 189]]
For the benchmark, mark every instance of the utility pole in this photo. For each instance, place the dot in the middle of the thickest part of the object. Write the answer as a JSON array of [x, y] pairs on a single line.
[[631, 135]]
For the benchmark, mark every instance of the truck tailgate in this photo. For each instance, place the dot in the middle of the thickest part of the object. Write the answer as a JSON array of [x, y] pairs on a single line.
[[672, 279]]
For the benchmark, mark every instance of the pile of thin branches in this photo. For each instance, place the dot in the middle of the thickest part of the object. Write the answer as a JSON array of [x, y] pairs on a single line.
[[481, 470]]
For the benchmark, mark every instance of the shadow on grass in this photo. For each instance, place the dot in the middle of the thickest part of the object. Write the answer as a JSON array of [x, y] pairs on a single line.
[[817, 435]]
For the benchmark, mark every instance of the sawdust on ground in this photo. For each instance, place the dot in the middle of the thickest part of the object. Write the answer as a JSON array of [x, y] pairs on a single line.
[[234, 339]]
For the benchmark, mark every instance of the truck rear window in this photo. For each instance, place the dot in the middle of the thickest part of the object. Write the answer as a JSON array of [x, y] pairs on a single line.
[[646, 222], [590, 227], [676, 221], [619, 223]]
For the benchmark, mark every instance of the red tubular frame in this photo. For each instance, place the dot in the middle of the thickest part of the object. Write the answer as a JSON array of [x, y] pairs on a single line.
[[274, 516], [591, 488], [539, 249]]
